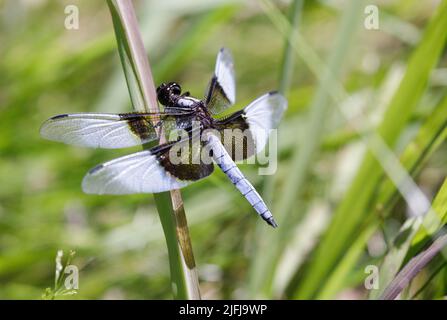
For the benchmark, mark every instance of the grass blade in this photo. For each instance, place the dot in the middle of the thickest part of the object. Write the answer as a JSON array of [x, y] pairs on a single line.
[[412, 269], [433, 221], [429, 138], [142, 91], [338, 277], [354, 207], [304, 152], [288, 58], [394, 258], [285, 77]]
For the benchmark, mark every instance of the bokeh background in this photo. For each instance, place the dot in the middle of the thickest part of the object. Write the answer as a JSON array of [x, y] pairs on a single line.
[[46, 69]]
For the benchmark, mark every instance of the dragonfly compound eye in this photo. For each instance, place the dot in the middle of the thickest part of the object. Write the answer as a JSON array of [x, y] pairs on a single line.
[[175, 88], [163, 93]]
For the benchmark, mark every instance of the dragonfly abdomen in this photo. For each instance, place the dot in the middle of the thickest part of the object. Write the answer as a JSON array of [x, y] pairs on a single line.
[[227, 165]]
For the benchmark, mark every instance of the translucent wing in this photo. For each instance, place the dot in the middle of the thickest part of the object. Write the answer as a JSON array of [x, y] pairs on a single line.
[[221, 92], [111, 130], [150, 171], [255, 122]]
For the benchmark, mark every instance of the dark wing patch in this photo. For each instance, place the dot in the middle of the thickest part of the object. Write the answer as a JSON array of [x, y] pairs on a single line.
[[148, 127], [221, 92], [216, 99], [111, 130], [255, 120], [145, 127], [236, 136], [60, 116], [188, 164]]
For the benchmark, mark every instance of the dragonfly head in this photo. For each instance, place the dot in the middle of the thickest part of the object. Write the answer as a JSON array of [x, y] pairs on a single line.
[[168, 92]]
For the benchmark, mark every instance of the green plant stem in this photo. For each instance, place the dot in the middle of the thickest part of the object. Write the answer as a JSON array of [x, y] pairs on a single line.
[[354, 206], [285, 78], [144, 99], [288, 59], [429, 280], [411, 270], [304, 151]]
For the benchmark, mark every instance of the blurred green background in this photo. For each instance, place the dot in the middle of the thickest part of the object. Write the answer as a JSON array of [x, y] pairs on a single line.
[[46, 69]]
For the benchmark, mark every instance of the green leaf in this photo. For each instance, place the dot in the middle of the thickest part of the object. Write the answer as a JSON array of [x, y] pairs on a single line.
[[396, 255], [144, 98], [338, 277], [434, 220], [354, 207], [429, 138], [305, 148], [412, 268]]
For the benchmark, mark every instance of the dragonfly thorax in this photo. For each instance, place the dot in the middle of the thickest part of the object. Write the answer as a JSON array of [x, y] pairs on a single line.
[[170, 95], [187, 102]]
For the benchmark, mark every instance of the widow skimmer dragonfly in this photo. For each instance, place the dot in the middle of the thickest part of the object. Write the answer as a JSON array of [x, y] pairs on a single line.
[[152, 171]]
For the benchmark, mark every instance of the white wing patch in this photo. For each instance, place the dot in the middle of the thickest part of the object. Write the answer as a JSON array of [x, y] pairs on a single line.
[[90, 130], [225, 74], [136, 173], [264, 114]]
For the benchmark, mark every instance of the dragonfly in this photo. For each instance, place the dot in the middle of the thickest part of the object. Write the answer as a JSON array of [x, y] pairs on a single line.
[[154, 170]]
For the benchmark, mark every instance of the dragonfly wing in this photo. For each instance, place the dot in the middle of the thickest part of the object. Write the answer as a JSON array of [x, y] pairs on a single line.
[[108, 130], [221, 92], [149, 171], [249, 128]]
